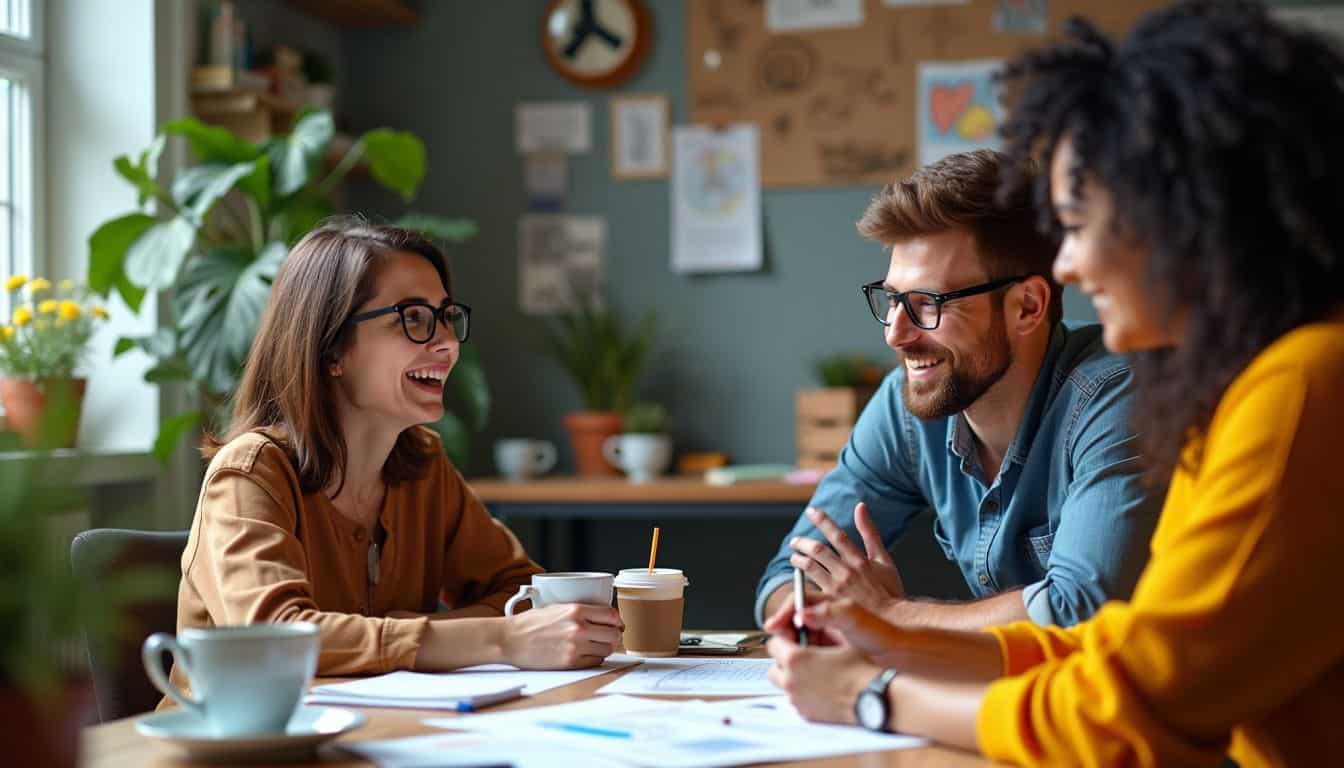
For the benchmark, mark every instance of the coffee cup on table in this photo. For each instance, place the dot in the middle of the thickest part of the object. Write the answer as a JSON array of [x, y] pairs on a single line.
[[651, 603], [546, 589], [246, 681], [520, 458]]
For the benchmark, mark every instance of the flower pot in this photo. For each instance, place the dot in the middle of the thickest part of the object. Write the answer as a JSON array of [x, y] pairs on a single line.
[[588, 430], [44, 731], [641, 456], [27, 403]]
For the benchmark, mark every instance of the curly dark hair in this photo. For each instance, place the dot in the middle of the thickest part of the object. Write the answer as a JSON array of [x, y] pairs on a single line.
[[1219, 132]]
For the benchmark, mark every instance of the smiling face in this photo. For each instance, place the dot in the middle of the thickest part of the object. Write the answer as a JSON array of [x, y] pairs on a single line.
[[949, 368], [382, 374], [1109, 268]]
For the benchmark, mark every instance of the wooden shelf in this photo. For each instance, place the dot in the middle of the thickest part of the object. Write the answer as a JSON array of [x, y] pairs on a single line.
[[359, 14], [615, 489]]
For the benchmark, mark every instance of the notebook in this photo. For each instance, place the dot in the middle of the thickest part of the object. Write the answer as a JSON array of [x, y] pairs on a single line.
[[417, 690]]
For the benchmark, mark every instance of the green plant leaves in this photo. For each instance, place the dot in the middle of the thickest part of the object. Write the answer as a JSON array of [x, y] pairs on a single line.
[[438, 227], [197, 189], [592, 346], [219, 303], [143, 174], [293, 157], [211, 143], [471, 388], [396, 160], [107, 255], [454, 436], [153, 260], [171, 432]]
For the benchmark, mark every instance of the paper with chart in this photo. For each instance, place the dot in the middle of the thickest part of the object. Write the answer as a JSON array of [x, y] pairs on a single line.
[[689, 676], [679, 734], [716, 199]]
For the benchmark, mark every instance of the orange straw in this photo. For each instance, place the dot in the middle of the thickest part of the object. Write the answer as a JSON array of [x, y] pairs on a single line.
[[653, 551]]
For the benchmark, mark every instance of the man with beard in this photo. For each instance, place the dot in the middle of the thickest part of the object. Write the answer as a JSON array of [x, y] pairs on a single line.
[[1011, 426]]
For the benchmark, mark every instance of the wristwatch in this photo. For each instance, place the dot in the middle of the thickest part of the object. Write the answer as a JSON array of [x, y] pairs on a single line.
[[871, 708]]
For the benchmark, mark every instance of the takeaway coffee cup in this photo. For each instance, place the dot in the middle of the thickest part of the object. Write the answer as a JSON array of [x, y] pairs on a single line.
[[553, 588], [246, 681], [651, 606]]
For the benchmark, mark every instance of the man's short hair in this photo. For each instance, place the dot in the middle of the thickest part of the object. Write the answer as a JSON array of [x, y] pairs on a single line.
[[962, 191]]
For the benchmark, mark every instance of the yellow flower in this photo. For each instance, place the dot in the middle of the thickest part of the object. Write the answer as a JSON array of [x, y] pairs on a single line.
[[66, 285], [39, 285], [15, 283], [41, 325], [23, 316], [99, 313], [7, 331], [48, 307], [70, 310]]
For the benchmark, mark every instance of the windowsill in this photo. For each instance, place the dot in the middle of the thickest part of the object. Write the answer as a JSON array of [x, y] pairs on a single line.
[[91, 468]]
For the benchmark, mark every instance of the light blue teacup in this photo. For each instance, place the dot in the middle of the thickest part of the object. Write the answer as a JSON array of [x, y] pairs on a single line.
[[246, 680]]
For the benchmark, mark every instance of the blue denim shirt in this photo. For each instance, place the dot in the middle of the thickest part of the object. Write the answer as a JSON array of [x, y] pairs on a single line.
[[1067, 517]]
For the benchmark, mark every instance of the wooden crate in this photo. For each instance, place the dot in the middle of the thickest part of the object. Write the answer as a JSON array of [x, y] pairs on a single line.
[[824, 420]]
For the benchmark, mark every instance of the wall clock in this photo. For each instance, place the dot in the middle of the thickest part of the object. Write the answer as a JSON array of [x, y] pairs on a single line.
[[596, 43]]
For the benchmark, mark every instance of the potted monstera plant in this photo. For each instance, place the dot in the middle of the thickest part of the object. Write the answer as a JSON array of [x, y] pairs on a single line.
[[222, 228]]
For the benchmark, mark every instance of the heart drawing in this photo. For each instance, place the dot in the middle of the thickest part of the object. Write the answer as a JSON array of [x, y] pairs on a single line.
[[947, 103]]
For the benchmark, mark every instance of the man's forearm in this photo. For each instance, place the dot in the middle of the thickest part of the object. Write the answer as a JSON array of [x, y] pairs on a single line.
[[1005, 608]]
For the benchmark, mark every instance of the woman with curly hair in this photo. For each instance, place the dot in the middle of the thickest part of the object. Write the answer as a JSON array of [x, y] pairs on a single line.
[[1196, 175]]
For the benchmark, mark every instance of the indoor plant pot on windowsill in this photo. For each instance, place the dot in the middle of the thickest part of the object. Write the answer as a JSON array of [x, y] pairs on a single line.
[[48, 333]]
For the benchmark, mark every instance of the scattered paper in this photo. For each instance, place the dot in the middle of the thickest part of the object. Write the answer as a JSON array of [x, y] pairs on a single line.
[[795, 15], [448, 750], [716, 199], [557, 126], [696, 677], [559, 262], [912, 3], [959, 108], [545, 180], [679, 734]]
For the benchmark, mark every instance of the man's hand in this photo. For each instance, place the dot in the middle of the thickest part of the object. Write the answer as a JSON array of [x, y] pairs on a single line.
[[867, 577], [822, 682]]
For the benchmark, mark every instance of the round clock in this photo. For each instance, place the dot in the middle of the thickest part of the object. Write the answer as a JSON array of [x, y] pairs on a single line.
[[596, 43]]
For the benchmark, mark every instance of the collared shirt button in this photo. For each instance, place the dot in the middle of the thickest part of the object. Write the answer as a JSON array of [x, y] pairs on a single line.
[[991, 506], [984, 579]]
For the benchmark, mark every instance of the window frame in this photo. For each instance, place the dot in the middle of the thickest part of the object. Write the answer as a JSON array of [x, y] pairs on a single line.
[[23, 62]]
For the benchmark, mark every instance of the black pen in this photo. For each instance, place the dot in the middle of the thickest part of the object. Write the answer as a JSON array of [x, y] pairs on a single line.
[[798, 607]]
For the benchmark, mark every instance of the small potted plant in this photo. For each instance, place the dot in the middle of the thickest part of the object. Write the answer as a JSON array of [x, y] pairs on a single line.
[[826, 415], [644, 450], [39, 351], [604, 360]]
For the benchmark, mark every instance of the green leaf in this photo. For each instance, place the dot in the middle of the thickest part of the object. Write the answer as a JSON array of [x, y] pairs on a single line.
[[298, 217], [438, 227], [453, 435], [258, 182], [197, 189], [107, 249], [470, 386], [219, 303], [172, 369], [149, 159], [211, 143], [163, 344], [131, 293], [154, 259], [292, 159], [170, 434], [396, 160]]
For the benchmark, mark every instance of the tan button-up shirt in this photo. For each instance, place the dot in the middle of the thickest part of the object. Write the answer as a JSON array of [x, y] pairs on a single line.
[[261, 550]]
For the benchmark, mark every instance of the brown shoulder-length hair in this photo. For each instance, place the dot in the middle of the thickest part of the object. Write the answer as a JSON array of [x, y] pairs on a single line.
[[963, 191], [285, 390]]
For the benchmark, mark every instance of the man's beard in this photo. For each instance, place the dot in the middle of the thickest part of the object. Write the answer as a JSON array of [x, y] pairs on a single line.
[[969, 379]]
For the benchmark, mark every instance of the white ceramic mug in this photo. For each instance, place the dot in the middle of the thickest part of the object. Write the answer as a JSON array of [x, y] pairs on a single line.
[[640, 457], [246, 680], [520, 458], [555, 588]]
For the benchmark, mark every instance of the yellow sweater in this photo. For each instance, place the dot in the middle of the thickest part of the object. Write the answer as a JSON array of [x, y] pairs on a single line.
[[1234, 638]]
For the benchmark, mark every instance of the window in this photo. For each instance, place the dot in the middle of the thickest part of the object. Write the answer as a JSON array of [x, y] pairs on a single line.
[[21, 69]]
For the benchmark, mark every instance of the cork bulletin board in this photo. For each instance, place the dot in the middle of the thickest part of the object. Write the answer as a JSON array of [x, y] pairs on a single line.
[[850, 105]]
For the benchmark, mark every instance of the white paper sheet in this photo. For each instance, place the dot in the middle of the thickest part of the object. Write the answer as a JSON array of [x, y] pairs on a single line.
[[696, 677], [559, 261], [796, 15], [445, 690], [679, 734], [554, 126], [446, 750], [716, 199]]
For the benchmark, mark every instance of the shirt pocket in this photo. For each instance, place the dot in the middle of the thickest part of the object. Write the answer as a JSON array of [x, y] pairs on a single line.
[[943, 541], [1040, 541]]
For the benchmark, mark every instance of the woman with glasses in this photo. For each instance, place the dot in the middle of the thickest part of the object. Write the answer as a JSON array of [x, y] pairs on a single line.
[[328, 501], [1198, 196]]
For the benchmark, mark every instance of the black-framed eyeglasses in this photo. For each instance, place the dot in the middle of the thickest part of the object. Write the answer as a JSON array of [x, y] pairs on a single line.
[[925, 308], [420, 319]]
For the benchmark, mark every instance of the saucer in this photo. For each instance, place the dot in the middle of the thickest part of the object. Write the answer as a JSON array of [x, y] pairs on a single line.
[[308, 728]]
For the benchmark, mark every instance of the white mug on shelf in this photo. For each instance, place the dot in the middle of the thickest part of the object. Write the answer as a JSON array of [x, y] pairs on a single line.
[[640, 457], [520, 458]]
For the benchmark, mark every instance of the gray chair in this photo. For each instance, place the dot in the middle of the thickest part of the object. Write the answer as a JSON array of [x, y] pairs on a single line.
[[120, 687]]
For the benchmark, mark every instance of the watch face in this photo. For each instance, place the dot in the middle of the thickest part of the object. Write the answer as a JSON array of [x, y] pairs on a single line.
[[871, 711]]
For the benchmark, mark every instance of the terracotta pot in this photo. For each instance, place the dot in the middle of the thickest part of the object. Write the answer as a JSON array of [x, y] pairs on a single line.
[[26, 400], [588, 430], [44, 732]]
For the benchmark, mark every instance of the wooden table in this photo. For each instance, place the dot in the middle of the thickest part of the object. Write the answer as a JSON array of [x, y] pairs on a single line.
[[117, 744]]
